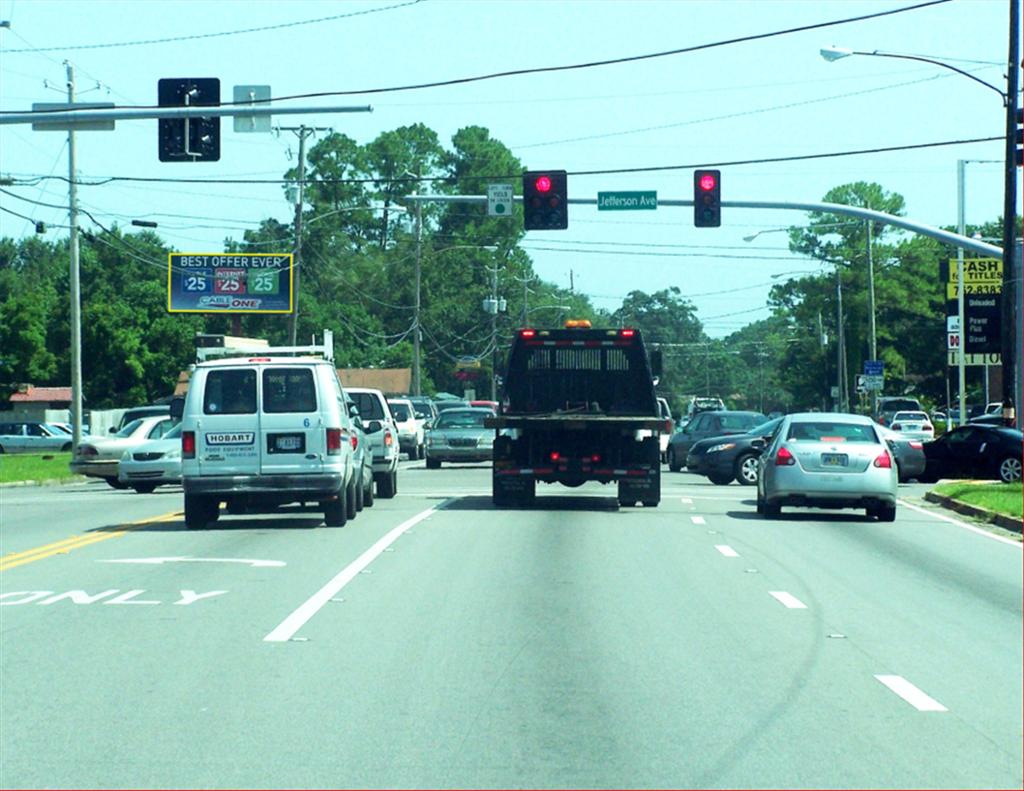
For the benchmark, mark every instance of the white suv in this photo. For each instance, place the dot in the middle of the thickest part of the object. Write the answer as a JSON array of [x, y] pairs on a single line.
[[257, 432], [382, 434], [410, 428]]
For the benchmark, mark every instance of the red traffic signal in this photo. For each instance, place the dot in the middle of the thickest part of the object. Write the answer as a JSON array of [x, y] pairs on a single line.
[[545, 200], [707, 198]]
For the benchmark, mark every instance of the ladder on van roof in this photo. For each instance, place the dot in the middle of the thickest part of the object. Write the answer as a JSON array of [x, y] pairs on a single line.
[[209, 347]]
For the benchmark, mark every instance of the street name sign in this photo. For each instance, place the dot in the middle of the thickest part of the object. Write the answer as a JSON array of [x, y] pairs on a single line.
[[499, 200], [79, 126], [872, 382], [627, 201], [874, 367], [229, 282]]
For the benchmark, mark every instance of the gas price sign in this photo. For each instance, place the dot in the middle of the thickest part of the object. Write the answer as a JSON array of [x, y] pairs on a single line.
[[229, 282]]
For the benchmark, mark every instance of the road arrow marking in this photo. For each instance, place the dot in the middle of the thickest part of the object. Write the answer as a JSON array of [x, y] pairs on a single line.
[[157, 561]]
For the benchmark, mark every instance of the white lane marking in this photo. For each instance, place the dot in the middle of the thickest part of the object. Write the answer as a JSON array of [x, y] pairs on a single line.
[[290, 625], [158, 561], [726, 550], [698, 520], [789, 600], [964, 525], [686, 500], [911, 694]]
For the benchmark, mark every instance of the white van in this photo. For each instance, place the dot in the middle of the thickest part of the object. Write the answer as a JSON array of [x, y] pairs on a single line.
[[382, 434], [266, 429]]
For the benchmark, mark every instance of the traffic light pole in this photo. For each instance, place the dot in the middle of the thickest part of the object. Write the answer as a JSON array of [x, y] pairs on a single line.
[[1010, 316]]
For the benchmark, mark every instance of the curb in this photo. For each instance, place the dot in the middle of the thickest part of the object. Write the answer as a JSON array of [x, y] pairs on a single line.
[[1000, 520], [48, 482]]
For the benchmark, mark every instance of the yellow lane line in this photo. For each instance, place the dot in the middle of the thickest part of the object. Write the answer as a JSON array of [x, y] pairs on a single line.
[[75, 542]]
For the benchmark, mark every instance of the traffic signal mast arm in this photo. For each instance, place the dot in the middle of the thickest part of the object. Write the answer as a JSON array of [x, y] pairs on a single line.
[[954, 239]]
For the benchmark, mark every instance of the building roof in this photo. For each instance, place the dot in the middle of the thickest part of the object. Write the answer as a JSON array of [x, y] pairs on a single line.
[[42, 395], [390, 381]]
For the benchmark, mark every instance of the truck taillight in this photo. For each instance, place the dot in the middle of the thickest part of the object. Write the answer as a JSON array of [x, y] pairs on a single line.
[[188, 444], [784, 458], [333, 441], [668, 426], [355, 442], [554, 455], [527, 333], [388, 439], [627, 333]]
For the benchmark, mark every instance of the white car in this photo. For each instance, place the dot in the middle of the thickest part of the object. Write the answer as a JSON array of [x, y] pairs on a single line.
[[152, 463], [410, 428], [100, 456], [913, 425]]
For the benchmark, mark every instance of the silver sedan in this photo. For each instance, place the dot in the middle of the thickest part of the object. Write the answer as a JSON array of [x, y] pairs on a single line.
[[459, 435], [827, 460]]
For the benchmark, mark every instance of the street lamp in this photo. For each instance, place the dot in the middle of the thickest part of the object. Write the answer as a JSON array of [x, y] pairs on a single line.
[[1009, 350]]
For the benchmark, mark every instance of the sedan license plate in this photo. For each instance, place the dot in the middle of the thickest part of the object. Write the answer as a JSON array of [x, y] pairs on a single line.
[[834, 459], [287, 443]]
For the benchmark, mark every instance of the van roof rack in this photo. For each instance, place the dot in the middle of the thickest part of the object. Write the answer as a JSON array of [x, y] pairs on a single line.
[[210, 347]]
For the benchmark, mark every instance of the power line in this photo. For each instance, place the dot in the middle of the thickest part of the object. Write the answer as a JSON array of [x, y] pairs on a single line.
[[587, 65], [31, 181], [216, 35]]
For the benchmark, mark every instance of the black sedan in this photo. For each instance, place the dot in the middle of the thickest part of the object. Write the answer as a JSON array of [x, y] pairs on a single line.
[[734, 456], [706, 425], [975, 451]]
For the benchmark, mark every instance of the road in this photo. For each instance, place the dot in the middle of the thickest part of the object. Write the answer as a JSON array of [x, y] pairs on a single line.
[[437, 642]]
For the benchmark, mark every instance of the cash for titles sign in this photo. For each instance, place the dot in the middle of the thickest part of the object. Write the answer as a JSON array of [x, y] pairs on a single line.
[[229, 282], [983, 286]]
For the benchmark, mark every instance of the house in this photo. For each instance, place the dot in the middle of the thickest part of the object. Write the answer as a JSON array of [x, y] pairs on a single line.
[[39, 404], [390, 381]]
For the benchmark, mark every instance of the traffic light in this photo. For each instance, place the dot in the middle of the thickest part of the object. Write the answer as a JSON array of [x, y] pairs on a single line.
[[189, 139], [545, 200], [707, 198]]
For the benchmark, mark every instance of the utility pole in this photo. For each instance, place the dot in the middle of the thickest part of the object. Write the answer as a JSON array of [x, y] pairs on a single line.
[[843, 400], [494, 332], [1009, 349], [824, 358], [961, 353], [74, 282], [416, 313], [871, 311], [303, 132]]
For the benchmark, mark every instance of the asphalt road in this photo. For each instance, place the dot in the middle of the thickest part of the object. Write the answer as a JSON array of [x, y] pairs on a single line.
[[438, 642]]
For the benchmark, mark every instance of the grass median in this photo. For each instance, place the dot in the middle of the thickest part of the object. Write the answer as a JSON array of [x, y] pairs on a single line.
[[36, 467], [1003, 498]]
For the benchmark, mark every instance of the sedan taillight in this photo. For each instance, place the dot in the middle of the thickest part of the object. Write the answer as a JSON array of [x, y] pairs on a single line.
[[897, 427], [883, 460], [784, 458], [87, 450], [188, 444]]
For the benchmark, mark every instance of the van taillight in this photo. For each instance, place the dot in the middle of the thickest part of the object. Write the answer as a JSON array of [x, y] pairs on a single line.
[[188, 444], [784, 458], [333, 441]]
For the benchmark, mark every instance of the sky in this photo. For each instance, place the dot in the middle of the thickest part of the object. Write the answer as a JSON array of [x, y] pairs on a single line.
[[754, 100]]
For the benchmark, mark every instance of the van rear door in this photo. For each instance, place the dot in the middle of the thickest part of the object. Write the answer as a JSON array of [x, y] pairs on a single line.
[[293, 437], [228, 431]]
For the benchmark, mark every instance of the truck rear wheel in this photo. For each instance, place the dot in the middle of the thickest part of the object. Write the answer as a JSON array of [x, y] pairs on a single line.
[[200, 511]]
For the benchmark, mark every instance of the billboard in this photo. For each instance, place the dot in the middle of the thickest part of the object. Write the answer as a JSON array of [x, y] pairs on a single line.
[[983, 286], [229, 282]]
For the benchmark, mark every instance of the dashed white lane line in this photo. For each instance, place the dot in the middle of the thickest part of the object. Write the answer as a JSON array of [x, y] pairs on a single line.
[[726, 550], [698, 520], [911, 694], [290, 625], [788, 600], [964, 525]]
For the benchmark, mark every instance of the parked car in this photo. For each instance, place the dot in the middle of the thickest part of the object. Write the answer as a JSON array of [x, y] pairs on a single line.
[[731, 457], [459, 435], [975, 451], [708, 424], [155, 462], [32, 438], [140, 411], [913, 424], [382, 433], [890, 405], [99, 457], [410, 427], [827, 460], [451, 403], [908, 453]]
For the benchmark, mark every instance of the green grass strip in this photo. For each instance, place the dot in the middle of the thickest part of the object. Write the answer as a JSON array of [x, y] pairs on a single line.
[[1003, 498], [35, 467]]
